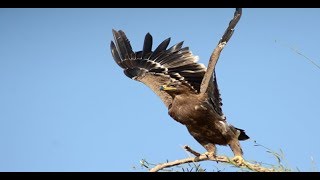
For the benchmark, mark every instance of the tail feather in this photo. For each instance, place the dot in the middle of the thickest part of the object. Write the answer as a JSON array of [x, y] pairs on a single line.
[[243, 136]]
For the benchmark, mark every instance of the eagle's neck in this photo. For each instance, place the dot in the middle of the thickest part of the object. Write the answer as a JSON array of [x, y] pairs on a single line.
[[181, 94], [184, 99]]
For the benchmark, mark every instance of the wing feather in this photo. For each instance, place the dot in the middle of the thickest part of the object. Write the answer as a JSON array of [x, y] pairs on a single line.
[[215, 96], [160, 49], [147, 46], [158, 67]]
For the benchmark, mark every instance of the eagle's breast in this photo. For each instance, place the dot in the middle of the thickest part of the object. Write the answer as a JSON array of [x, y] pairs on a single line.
[[189, 109]]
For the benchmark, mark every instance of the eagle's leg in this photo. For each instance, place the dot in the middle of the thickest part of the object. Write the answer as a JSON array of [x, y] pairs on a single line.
[[211, 149], [237, 151]]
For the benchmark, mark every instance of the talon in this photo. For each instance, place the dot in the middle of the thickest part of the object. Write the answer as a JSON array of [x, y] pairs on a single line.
[[210, 154], [238, 159]]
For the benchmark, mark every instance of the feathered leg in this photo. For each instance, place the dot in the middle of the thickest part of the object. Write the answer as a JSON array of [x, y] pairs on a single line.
[[237, 151], [211, 149]]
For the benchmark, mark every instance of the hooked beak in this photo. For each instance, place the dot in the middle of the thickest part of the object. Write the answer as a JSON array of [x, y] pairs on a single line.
[[166, 88]]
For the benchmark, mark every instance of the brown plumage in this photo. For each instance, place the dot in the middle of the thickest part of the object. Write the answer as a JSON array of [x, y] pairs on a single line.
[[197, 112], [175, 76]]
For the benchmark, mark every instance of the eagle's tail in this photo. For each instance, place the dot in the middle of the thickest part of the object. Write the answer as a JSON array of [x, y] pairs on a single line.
[[243, 136]]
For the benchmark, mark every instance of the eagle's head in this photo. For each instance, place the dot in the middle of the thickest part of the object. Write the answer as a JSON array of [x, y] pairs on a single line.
[[177, 88]]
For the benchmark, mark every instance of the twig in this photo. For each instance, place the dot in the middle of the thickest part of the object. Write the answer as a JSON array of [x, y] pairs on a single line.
[[187, 148], [301, 54], [205, 157], [216, 52]]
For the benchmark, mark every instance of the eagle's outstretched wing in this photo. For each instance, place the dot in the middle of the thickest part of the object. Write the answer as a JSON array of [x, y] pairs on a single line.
[[158, 67], [214, 95], [209, 83]]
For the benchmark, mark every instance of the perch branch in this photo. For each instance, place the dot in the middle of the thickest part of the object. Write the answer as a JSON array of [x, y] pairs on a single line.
[[205, 157], [187, 148], [216, 52]]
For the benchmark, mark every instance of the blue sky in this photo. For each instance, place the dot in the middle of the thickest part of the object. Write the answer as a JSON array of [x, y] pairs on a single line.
[[65, 105]]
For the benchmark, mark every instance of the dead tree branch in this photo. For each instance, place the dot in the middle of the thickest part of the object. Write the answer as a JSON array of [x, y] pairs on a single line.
[[206, 157]]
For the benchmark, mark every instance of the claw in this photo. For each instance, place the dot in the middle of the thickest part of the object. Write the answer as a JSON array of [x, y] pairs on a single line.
[[239, 160], [210, 154]]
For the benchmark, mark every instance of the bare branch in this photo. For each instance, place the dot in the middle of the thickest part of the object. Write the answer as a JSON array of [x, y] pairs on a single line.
[[205, 157], [195, 153], [216, 52]]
